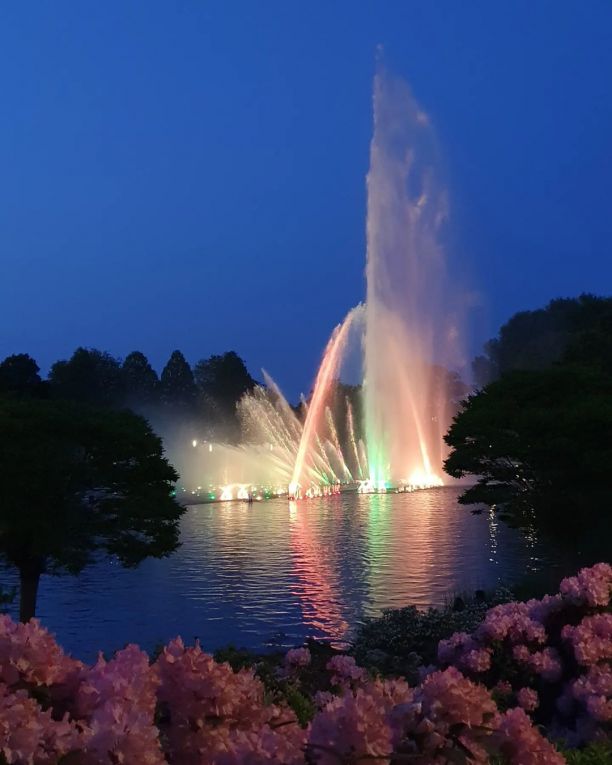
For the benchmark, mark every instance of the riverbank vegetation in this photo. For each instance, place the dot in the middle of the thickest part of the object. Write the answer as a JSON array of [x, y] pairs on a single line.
[[536, 439]]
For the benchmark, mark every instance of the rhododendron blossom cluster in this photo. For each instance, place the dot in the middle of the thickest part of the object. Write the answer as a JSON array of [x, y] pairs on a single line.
[[550, 656], [540, 663]]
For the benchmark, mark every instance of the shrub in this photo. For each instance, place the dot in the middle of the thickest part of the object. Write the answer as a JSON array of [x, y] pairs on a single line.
[[401, 640], [551, 656]]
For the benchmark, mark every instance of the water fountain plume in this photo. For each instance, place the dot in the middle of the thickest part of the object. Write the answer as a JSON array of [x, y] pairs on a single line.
[[326, 376], [408, 338], [350, 421], [335, 444], [406, 321]]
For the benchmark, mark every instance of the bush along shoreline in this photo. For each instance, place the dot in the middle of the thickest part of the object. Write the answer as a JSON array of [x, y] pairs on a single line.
[[523, 683]]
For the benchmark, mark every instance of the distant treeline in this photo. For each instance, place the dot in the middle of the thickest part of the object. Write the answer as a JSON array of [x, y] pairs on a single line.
[[206, 395], [203, 398]]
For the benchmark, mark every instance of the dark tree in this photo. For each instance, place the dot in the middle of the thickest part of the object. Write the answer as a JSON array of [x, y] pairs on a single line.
[[177, 385], [19, 375], [90, 376], [80, 482], [224, 378], [539, 445], [222, 381], [533, 340], [140, 381]]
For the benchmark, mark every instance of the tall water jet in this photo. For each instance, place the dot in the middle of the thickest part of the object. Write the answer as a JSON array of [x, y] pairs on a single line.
[[326, 376], [407, 326], [409, 340]]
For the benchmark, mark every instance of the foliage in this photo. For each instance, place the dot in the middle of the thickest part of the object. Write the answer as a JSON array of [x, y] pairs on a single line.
[[277, 671], [19, 375], [7, 598], [539, 445], [177, 384], [534, 340], [140, 380], [222, 380], [90, 376], [598, 753], [82, 481], [401, 640]]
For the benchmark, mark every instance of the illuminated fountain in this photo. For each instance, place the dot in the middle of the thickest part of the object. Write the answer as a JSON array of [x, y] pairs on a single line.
[[407, 323], [409, 326], [407, 332], [326, 377]]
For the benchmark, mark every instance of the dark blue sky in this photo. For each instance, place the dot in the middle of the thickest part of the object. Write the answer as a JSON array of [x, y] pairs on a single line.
[[191, 174]]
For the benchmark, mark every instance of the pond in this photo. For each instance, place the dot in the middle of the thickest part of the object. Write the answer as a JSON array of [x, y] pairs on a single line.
[[275, 572]]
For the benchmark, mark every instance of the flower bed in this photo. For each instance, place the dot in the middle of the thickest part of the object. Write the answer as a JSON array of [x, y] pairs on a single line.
[[529, 674]]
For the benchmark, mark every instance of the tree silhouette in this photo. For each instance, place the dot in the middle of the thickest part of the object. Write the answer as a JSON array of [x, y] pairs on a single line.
[[79, 482], [222, 381], [140, 381], [19, 375], [177, 385], [89, 376], [537, 339]]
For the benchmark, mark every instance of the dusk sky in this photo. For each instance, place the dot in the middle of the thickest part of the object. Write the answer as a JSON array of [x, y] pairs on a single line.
[[192, 174]]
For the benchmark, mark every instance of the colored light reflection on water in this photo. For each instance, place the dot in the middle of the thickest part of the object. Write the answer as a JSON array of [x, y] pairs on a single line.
[[278, 571]]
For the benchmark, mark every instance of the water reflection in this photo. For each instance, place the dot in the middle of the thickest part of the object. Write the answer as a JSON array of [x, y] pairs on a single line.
[[245, 573], [316, 571]]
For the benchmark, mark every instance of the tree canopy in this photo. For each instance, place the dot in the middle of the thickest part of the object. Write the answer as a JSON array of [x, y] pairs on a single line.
[[19, 375], [205, 397], [140, 380], [222, 380], [537, 339], [80, 482], [540, 445], [90, 376], [538, 440], [176, 382]]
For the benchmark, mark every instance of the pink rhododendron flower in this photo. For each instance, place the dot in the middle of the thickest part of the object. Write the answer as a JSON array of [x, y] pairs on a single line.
[[591, 639], [592, 586], [476, 660], [513, 622], [118, 698], [449, 698], [528, 699], [356, 724], [127, 676], [522, 744], [345, 669], [297, 657], [323, 698], [594, 691], [206, 701], [464, 652], [268, 746], [445, 702], [29, 654], [448, 650], [545, 663], [30, 735]]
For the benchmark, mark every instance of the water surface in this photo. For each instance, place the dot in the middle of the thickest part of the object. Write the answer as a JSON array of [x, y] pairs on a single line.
[[276, 572]]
